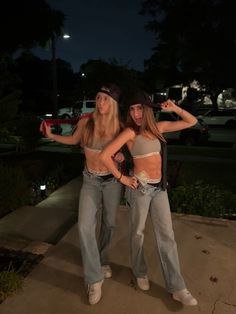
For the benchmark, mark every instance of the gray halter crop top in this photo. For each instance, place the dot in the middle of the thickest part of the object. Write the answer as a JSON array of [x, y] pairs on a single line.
[[98, 145], [144, 147]]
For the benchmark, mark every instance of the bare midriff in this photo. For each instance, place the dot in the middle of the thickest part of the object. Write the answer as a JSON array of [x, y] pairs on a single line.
[[93, 163], [149, 166]]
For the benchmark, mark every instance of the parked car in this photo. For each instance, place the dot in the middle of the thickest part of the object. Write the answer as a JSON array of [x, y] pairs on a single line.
[[80, 108], [225, 118], [198, 134], [66, 113], [85, 106], [51, 121]]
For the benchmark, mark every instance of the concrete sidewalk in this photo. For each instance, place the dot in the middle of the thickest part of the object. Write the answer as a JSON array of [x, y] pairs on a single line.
[[206, 250], [46, 222]]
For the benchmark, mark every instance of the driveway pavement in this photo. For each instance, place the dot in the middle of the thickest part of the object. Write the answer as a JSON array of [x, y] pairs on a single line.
[[207, 251]]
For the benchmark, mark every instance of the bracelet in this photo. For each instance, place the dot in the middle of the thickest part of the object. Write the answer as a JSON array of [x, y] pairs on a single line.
[[120, 176]]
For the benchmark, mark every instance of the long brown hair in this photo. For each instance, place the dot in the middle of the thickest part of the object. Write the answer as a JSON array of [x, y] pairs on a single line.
[[148, 123]]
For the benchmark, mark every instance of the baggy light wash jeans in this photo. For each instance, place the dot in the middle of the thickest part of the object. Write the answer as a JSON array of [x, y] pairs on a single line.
[[141, 201], [94, 193]]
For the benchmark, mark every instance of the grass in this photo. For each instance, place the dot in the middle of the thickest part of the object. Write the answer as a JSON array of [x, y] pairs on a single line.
[[222, 175], [220, 172], [10, 282], [14, 266]]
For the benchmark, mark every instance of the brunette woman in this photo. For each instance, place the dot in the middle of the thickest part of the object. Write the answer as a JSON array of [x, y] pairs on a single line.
[[147, 188]]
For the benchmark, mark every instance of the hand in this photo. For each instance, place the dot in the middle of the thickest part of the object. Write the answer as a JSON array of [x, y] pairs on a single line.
[[119, 157], [168, 105], [131, 182], [45, 129]]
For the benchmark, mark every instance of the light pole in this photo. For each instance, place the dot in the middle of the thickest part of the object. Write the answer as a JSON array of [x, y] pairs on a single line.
[[54, 72]]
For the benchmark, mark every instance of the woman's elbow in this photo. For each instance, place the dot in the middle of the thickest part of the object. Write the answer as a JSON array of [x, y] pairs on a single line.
[[194, 121]]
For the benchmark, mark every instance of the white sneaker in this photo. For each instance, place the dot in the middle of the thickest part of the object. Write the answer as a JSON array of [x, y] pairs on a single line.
[[107, 272], [185, 297], [143, 283], [95, 292]]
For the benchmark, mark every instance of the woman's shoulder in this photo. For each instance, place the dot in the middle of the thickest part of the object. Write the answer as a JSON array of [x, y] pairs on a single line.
[[130, 131], [84, 120], [128, 134]]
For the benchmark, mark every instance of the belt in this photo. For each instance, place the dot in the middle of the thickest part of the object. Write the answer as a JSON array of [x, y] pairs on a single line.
[[108, 176], [156, 185]]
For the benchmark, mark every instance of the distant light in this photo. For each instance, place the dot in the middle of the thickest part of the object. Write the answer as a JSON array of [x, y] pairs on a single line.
[[42, 187], [66, 36], [83, 74], [48, 114]]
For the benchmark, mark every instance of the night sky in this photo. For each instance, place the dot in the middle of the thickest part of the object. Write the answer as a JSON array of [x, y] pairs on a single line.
[[102, 29]]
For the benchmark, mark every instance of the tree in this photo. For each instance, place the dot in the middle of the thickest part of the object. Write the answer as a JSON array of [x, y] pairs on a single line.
[[27, 23], [9, 96], [97, 72], [195, 39], [23, 24], [36, 75]]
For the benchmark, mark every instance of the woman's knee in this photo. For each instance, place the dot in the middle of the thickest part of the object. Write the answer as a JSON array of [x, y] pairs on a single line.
[[86, 224], [167, 235], [137, 231], [83, 229]]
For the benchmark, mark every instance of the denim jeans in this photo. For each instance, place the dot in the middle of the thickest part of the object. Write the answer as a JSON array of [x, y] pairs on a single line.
[[96, 192], [141, 201]]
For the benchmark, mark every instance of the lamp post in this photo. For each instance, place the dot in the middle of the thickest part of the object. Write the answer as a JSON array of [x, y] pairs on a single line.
[[54, 72], [54, 76]]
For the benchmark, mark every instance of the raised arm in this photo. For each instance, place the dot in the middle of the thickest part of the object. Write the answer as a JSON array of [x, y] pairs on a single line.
[[187, 119], [106, 156], [68, 139]]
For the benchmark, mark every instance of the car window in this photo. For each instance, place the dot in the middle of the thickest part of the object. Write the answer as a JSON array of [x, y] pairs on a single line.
[[219, 113], [212, 113], [226, 113], [90, 104]]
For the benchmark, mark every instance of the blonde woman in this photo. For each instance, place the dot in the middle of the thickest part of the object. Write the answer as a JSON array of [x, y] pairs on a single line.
[[147, 192], [99, 186]]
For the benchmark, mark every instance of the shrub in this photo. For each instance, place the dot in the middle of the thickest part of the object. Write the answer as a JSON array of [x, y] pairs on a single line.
[[14, 188], [173, 171], [28, 129], [52, 179], [202, 199]]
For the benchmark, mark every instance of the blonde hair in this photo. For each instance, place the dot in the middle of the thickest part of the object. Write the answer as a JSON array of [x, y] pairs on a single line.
[[148, 123], [112, 124]]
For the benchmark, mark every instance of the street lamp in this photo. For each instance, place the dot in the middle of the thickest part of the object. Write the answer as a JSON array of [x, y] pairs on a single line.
[[54, 72]]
